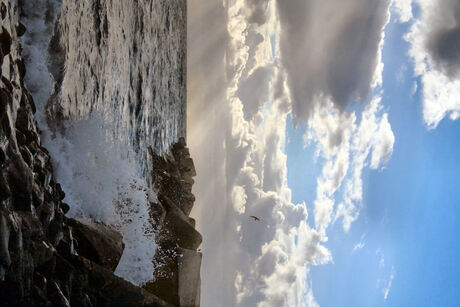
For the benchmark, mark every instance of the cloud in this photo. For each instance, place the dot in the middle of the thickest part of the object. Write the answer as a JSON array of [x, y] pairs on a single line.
[[330, 50], [435, 49], [346, 149], [360, 244], [387, 288], [404, 9], [241, 88]]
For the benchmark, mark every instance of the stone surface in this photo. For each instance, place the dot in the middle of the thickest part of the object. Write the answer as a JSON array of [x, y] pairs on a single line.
[[189, 277], [177, 278], [39, 265], [97, 242]]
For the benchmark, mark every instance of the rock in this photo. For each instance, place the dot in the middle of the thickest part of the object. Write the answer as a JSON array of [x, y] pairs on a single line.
[[5, 42], [5, 191], [97, 242], [111, 289], [20, 29], [3, 10], [179, 226], [5, 260], [56, 296], [20, 179], [189, 277], [166, 281]]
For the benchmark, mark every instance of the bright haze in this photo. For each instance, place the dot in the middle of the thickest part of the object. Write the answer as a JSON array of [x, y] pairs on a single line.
[[334, 123]]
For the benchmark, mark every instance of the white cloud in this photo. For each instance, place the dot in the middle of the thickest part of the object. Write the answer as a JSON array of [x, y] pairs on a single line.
[[347, 148], [237, 138], [386, 289], [360, 244], [404, 9], [239, 199], [435, 49], [379, 253]]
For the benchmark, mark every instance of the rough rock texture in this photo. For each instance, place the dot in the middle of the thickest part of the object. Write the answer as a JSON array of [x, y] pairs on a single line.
[[40, 264], [177, 280], [98, 243]]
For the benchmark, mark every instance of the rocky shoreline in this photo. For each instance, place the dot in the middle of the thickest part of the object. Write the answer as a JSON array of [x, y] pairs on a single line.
[[49, 259]]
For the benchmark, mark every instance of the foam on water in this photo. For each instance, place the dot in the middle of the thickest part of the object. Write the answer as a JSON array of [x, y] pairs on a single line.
[[101, 181], [97, 169]]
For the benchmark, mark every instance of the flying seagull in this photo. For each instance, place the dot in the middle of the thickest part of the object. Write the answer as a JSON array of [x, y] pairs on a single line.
[[255, 218]]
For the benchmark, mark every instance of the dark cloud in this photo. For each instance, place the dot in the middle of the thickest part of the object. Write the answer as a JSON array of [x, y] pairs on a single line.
[[253, 91], [258, 11], [443, 42], [330, 49]]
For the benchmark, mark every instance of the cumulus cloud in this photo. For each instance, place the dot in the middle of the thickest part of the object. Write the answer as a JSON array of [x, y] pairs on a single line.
[[435, 50], [346, 149], [404, 9], [330, 50], [241, 88]]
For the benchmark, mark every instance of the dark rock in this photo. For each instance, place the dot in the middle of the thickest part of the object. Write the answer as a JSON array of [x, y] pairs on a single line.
[[20, 29], [5, 191], [56, 296], [60, 192], [22, 120], [66, 246], [54, 231], [105, 286], [5, 259], [5, 42], [65, 207], [26, 155], [166, 281], [20, 179], [179, 226], [2, 157], [157, 215], [3, 10], [98, 242], [38, 195]]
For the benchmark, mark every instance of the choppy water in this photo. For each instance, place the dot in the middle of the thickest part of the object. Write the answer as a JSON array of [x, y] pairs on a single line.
[[121, 89]]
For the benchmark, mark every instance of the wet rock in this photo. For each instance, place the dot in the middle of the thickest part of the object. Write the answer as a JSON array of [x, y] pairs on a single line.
[[179, 226], [3, 10], [5, 191], [111, 289], [65, 207], [56, 296], [20, 29], [98, 242], [5, 259], [5, 42], [20, 179], [189, 277]]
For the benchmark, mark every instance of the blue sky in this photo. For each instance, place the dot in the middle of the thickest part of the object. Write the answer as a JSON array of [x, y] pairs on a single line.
[[410, 208], [373, 162]]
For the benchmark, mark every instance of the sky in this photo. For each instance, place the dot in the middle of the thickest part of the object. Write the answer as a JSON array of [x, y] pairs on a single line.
[[335, 123]]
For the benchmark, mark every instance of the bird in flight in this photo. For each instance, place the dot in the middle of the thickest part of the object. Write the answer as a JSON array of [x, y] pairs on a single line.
[[255, 218]]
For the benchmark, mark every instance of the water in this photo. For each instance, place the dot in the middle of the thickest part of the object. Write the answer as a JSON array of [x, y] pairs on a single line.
[[113, 104]]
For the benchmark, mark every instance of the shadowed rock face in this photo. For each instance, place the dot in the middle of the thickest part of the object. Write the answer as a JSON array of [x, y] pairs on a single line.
[[177, 279], [47, 259]]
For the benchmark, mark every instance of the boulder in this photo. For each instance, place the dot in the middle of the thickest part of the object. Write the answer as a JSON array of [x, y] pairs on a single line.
[[189, 277], [110, 289], [179, 226], [97, 242]]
